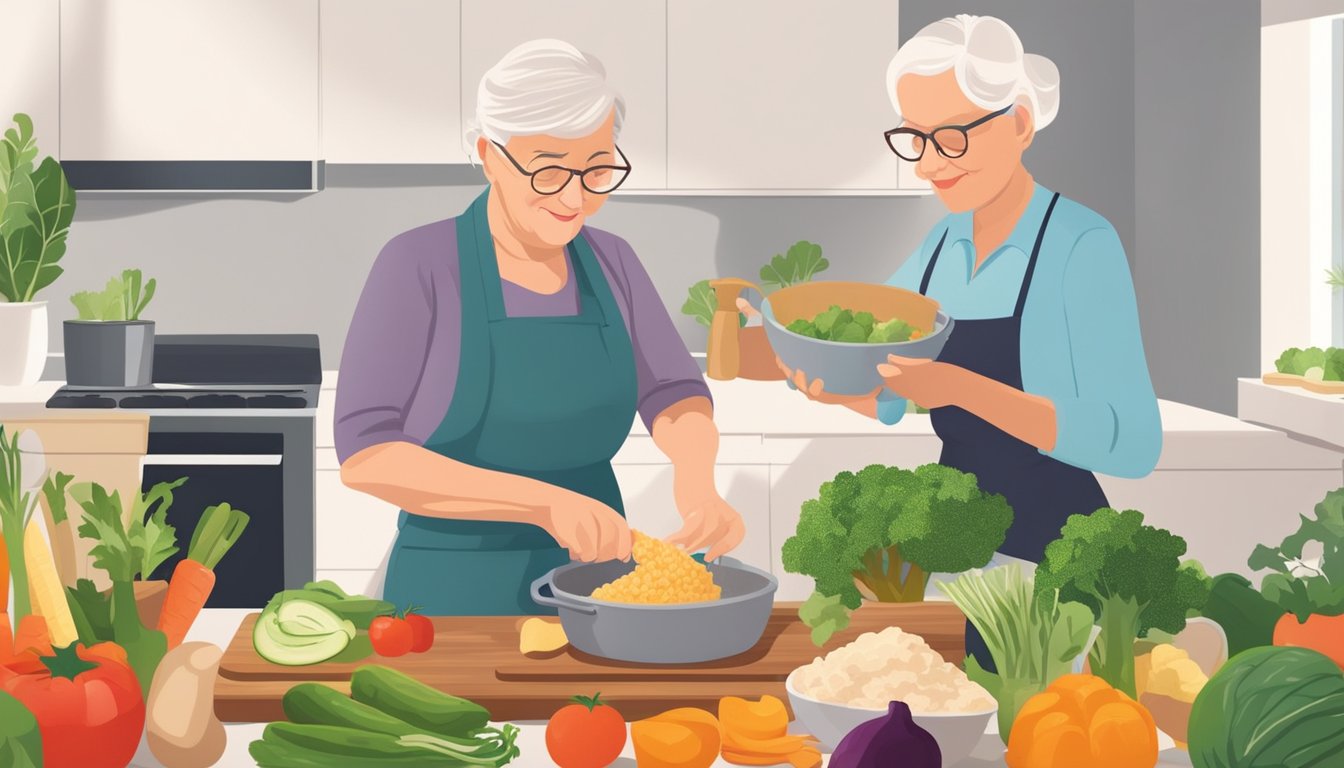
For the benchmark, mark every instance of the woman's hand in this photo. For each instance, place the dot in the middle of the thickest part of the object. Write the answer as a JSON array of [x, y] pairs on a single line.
[[708, 521], [816, 389], [592, 531], [927, 383]]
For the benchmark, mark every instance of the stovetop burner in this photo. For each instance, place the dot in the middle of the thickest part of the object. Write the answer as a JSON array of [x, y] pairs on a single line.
[[267, 371]]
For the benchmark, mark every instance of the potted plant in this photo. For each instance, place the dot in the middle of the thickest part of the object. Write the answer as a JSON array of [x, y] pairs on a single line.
[[878, 535], [109, 345], [36, 208], [799, 264]]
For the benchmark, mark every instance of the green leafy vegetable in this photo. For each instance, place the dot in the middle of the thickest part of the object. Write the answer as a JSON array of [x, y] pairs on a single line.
[[95, 612], [702, 304], [20, 739], [1130, 576], [802, 261], [1278, 707], [847, 326], [1306, 362], [128, 552], [888, 528], [1032, 640], [825, 614], [17, 503], [1295, 586], [1245, 615], [121, 300], [37, 206]]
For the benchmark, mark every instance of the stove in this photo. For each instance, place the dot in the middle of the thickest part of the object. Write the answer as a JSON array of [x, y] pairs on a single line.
[[265, 371], [236, 416]]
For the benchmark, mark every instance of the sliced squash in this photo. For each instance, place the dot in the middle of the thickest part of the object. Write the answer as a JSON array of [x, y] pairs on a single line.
[[540, 637]]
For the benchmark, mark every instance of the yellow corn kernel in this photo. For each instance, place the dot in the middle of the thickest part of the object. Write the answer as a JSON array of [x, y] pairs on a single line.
[[663, 575]]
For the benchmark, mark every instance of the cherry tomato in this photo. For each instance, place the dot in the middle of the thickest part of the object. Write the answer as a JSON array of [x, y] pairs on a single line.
[[422, 632], [390, 636], [87, 703], [586, 734]]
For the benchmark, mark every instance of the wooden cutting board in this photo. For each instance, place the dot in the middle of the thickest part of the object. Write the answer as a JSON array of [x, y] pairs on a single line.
[[1311, 385], [477, 658]]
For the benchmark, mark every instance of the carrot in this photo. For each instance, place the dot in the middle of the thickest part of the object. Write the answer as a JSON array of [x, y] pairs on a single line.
[[4, 576], [32, 633], [194, 577]]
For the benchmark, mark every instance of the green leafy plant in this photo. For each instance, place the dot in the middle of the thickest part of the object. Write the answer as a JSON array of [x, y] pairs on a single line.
[[1130, 576], [799, 264], [121, 300], [1335, 278], [37, 206], [1300, 588], [1313, 363], [127, 551], [888, 528], [1032, 640]]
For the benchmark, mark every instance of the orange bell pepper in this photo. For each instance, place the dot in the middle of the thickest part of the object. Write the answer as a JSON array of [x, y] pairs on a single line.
[[1081, 720]]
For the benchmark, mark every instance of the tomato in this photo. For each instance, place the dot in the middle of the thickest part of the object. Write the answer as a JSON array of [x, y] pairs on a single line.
[[586, 734], [87, 703], [422, 632], [390, 636]]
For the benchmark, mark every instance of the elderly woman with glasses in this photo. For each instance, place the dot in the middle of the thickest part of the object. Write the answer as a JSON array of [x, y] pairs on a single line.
[[1042, 381], [497, 360]]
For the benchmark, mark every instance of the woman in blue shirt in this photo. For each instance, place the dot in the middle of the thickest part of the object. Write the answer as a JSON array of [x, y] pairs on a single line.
[[1043, 380]]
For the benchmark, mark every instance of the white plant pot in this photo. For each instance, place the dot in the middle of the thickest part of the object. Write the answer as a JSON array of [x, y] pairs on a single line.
[[23, 343]]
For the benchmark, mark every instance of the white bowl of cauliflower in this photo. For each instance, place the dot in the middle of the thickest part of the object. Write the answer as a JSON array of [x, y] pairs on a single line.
[[855, 683]]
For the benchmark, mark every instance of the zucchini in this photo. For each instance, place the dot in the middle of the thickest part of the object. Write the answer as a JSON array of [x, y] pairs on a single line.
[[405, 698], [316, 704], [286, 745]]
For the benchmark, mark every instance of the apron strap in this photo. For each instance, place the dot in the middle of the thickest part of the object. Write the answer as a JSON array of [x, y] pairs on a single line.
[[933, 260], [1031, 264]]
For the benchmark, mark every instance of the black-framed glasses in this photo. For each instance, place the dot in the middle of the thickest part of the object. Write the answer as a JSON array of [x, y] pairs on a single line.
[[598, 179], [951, 141]]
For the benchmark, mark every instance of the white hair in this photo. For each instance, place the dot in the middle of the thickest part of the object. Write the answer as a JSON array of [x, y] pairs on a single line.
[[990, 65], [544, 87]]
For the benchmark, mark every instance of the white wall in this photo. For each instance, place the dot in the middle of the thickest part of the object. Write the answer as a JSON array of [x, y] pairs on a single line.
[[1296, 197]]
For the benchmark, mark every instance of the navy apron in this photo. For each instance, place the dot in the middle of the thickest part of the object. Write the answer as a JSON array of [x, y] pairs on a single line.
[[550, 398], [1041, 490]]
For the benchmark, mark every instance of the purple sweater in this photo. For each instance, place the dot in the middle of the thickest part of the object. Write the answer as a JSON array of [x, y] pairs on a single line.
[[400, 362]]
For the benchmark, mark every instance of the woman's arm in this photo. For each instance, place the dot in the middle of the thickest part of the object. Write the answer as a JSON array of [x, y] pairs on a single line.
[[1112, 424]]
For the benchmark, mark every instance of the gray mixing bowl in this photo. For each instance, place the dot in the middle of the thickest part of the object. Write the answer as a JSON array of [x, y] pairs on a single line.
[[688, 633], [850, 369]]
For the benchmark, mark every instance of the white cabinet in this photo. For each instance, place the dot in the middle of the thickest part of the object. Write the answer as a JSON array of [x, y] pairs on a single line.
[[30, 60], [781, 98], [390, 81], [628, 36], [153, 80]]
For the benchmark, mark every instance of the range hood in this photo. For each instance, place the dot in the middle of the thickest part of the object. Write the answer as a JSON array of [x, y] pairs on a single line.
[[195, 175]]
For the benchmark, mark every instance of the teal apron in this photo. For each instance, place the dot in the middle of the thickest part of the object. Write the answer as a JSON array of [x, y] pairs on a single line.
[[550, 398]]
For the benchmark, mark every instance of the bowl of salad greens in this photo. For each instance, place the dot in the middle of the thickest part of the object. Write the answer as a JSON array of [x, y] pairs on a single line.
[[840, 332]]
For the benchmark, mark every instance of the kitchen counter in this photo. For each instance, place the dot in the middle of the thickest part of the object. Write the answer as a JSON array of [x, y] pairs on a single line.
[[1294, 410], [219, 625]]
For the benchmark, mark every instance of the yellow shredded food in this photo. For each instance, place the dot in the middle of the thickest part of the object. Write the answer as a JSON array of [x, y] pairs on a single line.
[[663, 575]]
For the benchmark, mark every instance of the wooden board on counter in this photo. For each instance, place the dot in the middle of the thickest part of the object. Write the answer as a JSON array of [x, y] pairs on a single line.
[[477, 658], [1311, 385]]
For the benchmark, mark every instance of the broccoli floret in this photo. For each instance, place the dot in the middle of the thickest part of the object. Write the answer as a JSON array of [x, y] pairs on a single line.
[[869, 525], [1334, 364], [1130, 575]]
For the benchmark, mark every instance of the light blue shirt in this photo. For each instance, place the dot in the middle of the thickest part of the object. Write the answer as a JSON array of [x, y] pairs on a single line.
[[1081, 345]]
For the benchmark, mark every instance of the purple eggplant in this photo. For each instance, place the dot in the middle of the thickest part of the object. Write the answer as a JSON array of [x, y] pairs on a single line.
[[887, 741]]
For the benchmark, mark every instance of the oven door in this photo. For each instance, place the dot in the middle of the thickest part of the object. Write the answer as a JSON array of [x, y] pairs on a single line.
[[243, 469]]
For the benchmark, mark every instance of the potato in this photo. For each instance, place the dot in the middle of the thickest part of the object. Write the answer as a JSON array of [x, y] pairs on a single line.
[[540, 637], [181, 726]]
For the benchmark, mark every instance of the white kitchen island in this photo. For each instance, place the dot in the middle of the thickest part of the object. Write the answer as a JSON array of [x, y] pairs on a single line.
[[219, 625]]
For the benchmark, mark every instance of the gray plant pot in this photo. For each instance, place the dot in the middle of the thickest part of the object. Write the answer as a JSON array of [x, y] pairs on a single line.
[[109, 354]]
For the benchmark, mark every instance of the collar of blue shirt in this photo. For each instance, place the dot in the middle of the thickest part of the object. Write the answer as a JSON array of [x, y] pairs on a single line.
[[1021, 239]]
